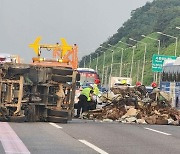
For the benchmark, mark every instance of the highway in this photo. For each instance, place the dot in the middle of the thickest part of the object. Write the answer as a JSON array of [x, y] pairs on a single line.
[[90, 137]]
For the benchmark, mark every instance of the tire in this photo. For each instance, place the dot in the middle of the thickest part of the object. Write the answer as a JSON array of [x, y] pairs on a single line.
[[57, 113], [63, 79], [78, 77], [62, 71], [17, 118], [57, 119]]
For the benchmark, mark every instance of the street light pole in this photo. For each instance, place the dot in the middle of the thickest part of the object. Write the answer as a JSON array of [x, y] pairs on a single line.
[[132, 61], [103, 68], [84, 62], [142, 78], [96, 62], [90, 62], [120, 71], [159, 42], [126, 44], [138, 70], [175, 51], [121, 64], [122, 52], [106, 78], [112, 59], [159, 45], [144, 61]]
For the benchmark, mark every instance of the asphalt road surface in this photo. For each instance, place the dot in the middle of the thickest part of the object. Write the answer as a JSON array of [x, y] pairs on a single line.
[[88, 137]]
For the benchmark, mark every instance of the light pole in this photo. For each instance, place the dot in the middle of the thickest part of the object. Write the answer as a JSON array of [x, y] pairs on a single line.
[[171, 37], [120, 71], [159, 45], [159, 42], [112, 60], [144, 61], [138, 70], [126, 44], [103, 67], [106, 76], [90, 62], [84, 62], [132, 59], [96, 62], [122, 52]]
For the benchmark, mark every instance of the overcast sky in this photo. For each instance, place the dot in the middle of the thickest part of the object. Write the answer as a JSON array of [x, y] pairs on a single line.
[[88, 23]]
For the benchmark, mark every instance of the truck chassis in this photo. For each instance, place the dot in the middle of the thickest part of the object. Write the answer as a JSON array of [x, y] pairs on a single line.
[[36, 93]]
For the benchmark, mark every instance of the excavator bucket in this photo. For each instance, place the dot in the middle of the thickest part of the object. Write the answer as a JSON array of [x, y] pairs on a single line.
[[65, 47], [36, 45]]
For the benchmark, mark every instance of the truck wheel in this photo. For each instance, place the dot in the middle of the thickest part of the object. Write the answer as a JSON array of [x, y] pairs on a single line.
[[62, 71], [58, 113], [78, 77], [59, 78], [17, 118], [57, 119]]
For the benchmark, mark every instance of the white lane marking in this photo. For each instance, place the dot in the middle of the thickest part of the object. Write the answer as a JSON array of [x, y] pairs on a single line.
[[10, 141], [93, 147], [157, 131], [55, 125], [12, 152]]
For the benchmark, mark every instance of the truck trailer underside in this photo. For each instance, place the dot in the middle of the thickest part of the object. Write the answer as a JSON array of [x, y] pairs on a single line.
[[36, 93]]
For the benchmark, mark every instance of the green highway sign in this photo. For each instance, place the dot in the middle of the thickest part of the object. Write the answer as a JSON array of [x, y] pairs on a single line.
[[158, 60]]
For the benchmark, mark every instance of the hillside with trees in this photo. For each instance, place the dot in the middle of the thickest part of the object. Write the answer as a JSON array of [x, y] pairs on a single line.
[[157, 16]]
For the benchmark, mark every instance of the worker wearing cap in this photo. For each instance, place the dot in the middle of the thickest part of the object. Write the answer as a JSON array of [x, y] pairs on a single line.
[[96, 93], [84, 100], [138, 83], [154, 86], [140, 89], [155, 90], [95, 87]]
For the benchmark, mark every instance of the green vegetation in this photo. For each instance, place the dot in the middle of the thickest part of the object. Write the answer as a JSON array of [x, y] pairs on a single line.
[[158, 16]]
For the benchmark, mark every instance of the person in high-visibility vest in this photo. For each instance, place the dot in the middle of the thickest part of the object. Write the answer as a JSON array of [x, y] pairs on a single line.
[[95, 94], [84, 100], [95, 87]]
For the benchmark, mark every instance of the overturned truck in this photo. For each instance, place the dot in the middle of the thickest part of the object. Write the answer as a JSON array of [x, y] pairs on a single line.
[[41, 91]]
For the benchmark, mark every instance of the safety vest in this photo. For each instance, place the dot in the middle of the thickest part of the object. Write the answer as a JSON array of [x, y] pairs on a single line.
[[86, 92], [96, 90]]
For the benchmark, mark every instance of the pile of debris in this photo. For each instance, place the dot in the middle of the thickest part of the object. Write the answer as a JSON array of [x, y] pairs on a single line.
[[135, 105]]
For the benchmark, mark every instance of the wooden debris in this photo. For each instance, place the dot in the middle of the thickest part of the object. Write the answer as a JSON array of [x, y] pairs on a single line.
[[134, 105]]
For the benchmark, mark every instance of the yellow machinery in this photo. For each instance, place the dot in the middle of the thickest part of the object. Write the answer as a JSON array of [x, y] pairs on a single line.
[[62, 54]]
